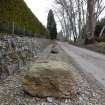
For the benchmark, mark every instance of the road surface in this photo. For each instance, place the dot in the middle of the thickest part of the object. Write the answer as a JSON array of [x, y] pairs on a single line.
[[87, 60]]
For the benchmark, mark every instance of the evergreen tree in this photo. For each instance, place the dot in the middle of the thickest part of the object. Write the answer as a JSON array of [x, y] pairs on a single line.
[[51, 25]]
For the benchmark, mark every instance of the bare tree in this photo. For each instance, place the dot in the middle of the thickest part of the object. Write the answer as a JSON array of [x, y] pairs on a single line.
[[76, 15]]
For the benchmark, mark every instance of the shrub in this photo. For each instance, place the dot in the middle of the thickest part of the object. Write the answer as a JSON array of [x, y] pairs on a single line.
[[99, 26]]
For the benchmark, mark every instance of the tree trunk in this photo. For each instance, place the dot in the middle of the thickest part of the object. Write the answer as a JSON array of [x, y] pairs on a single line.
[[91, 22]]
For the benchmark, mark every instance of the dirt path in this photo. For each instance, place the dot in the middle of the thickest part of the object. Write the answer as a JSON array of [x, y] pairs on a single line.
[[89, 61], [11, 91]]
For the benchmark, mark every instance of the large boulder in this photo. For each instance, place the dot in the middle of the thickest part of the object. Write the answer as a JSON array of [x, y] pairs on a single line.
[[49, 79]]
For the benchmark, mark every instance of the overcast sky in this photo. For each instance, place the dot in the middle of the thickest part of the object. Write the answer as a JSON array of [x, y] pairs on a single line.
[[40, 8]]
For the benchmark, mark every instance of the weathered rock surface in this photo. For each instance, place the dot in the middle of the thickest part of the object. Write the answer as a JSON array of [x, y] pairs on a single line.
[[54, 50], [52, 79]]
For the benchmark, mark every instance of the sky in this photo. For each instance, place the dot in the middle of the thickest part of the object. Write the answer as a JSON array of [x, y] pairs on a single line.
[[40, 8]]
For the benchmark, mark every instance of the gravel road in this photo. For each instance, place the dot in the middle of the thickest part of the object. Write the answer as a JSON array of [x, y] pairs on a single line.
[[11, 91], [89, 61]]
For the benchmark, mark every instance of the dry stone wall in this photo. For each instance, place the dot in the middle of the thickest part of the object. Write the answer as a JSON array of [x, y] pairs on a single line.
[[15, 52]]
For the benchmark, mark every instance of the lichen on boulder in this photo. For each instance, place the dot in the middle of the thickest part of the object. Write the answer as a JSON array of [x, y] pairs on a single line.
[[52, 79]]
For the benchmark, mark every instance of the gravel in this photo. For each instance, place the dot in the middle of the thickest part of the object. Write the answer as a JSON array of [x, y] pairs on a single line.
[[88, 92]]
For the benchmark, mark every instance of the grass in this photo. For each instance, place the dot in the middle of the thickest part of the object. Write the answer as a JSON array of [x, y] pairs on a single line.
[[100, 44]]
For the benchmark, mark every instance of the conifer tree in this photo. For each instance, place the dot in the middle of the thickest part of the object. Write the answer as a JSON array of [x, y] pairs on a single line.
[[51, 25]]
